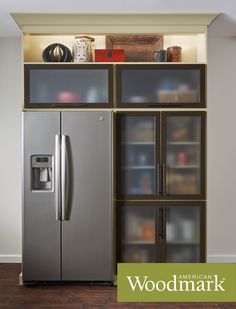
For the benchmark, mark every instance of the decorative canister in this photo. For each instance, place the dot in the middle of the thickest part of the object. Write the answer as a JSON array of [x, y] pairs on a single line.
[[82, 48], [174, 54], [159, 55]]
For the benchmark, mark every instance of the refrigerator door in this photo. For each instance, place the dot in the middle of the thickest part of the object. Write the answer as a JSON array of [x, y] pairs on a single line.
[[41, 230], [87, 196]]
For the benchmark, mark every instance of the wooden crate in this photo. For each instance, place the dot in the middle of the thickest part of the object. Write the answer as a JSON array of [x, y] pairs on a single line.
[[137, 48]]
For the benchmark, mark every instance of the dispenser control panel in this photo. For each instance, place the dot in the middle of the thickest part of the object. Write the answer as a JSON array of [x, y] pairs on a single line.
[[42, 161], [42, 172]]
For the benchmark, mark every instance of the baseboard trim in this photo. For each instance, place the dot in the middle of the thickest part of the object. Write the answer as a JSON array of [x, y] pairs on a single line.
[[16, 258], [231, 258], [210, 258]]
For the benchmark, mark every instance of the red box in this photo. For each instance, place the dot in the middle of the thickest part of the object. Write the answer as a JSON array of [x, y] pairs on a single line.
[[109, 55]]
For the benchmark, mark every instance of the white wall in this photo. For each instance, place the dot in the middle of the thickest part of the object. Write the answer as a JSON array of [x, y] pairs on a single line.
[[221, 227], [10, 149], [221, 87]]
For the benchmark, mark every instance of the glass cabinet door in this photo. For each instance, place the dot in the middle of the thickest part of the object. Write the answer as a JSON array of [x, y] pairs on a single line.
[[63, 85], [137, 234], [137, 155], [183, 234], [161, 85], [183, 151]]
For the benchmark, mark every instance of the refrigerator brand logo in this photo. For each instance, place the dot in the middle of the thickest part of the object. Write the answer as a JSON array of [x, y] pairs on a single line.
[[180, 283]]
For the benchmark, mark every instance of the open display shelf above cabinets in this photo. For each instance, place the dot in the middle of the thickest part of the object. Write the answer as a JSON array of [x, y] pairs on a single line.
[[142, 48], [138, 35]]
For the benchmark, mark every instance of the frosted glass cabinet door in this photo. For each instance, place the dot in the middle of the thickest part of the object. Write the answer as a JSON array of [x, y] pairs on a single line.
[[165, 85], [138, 234], [63, 85], [183, 154], [183, 234], [137, 155]]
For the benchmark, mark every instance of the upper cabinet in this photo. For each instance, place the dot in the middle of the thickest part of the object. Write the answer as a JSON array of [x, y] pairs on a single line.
[[64, 85], [168, 85]]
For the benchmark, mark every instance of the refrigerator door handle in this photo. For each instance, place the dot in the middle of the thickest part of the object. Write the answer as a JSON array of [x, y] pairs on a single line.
[[57, 177], [64, 178]]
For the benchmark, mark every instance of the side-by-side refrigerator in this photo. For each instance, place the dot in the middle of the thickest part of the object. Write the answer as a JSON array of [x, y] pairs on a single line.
[[67, 196]]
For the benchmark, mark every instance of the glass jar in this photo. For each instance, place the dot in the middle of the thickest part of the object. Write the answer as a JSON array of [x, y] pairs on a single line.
[[82, 49]]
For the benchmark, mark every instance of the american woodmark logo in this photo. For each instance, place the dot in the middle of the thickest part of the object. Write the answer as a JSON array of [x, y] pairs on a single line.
[[173, 282], [180, 283]]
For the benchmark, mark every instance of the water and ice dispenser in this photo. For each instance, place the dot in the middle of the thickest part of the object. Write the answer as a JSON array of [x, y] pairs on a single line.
[[42, 172]]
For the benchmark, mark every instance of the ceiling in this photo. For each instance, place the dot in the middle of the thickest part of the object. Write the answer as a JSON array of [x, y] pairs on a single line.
[[9, 28]]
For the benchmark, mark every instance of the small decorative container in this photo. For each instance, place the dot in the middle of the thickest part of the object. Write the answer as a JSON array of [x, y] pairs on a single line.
[[82, 48], [56, 52], [160, 55], [109, 55], [174, 54]]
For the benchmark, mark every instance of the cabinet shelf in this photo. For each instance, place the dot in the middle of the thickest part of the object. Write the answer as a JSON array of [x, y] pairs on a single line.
[[137, 167], [114, 63], [138, 242], [192, 243], [138, 143], [184, 166], [183, 143]]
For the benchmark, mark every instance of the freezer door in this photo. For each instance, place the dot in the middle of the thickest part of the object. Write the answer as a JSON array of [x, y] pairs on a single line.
[[41, 230], [87, 196]]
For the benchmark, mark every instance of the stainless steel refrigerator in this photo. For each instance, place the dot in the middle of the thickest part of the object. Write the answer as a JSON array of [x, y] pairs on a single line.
[[67, 196]]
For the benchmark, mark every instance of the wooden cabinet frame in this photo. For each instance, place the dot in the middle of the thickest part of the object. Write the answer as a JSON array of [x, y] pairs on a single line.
[[160, 238], [28, 67], [160, 156], [164, 66]]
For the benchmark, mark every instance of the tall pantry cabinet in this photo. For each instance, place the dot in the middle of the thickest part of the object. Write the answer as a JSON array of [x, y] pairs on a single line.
[[159, 121], [161, 164]]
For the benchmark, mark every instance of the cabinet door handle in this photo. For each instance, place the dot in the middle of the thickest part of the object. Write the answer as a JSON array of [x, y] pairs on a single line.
[[160, 223], [164, 222], [163, 179], [158, 180]]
